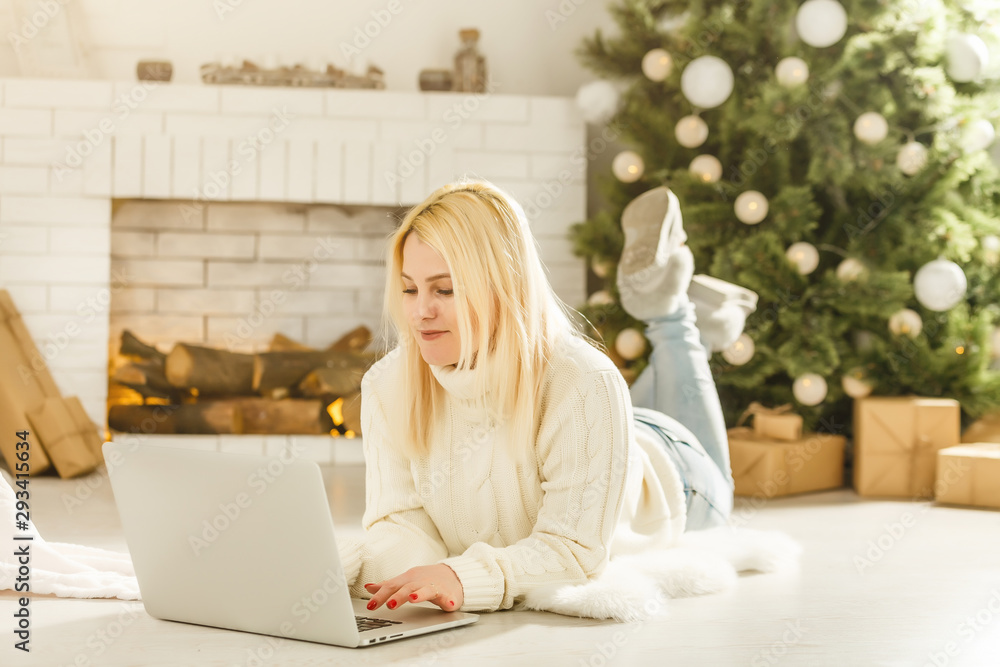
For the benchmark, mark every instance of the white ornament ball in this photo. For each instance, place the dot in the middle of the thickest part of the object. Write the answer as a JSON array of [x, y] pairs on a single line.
[[706, 168], [792, 71], [967, 56], [740, 352], [628, 166], [600, 298], [691, 131], [804, 256], [871, 127], [849, 270], [939, 285], [598, 101], [657, 65], [906, 322], [978, 135], [809, 389], [855, 385], [751, 207], [599, 267], [911, 158], [707, 81], [821, 23], [991, 249], [630, 344]]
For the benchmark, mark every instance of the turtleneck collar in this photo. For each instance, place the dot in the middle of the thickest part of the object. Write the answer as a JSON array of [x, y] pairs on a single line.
[[460, 384]]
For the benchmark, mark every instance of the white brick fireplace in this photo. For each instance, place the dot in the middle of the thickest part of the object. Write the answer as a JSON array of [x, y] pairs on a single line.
[[173, 210]]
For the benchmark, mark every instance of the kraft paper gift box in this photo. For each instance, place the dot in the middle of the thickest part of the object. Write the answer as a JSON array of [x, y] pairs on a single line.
[[25, 383], [778, 423], [70, 437], [986, 429], [770, 468], [969, 475], [896, 441]]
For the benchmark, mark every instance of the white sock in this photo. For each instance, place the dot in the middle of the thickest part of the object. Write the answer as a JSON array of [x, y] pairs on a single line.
[[664, 291], [720, 327]]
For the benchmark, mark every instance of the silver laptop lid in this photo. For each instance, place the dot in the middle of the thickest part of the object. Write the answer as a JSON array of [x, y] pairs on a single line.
[[233, 541]]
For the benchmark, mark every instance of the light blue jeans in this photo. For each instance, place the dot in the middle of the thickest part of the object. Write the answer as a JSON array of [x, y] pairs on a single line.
[[676, 400]]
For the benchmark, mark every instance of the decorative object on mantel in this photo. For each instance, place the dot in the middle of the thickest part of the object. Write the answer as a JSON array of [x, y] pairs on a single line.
[[291, 389], [470, 65], [436, 79], [154, 70], [252, 75], [46, 40]]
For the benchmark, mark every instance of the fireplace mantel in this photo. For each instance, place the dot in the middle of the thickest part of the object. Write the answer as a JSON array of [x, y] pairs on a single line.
[[68, 149]]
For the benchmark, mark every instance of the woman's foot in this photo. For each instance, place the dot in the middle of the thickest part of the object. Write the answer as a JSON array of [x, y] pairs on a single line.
[[653, 229], [721, 310], [656, 267]]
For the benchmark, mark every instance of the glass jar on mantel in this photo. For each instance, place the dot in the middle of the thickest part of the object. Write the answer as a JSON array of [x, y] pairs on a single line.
[[470, 64]]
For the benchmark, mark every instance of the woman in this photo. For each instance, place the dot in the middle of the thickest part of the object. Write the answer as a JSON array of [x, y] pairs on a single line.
[[502, 446]]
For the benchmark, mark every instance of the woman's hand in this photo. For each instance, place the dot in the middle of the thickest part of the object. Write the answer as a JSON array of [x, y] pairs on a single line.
[[431, 583]]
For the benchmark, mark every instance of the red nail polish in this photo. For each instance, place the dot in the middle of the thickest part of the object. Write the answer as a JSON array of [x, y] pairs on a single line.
[[413, 596], [371, 605], [391, 604], [451, 602]]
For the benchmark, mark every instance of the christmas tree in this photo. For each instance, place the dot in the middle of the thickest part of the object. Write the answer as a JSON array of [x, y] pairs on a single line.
[[837, 158]]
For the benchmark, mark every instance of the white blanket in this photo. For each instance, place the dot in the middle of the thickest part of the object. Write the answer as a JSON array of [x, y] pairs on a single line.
[[57, 568]]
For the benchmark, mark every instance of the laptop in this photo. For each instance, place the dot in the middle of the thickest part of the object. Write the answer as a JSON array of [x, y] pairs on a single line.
[[246, 542]]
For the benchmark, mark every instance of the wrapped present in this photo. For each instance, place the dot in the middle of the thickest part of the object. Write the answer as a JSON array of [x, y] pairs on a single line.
[[896, 441], [778, 423], [70, 437], [969, 475], [767, 467], [986, 429], [25, 382]]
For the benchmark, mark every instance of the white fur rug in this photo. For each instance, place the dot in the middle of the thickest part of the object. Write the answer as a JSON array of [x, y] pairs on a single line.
[[58, 568], [636, 587]]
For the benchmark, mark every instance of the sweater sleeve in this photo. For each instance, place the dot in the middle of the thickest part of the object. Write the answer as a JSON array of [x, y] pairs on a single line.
[[583, 449], [399, 534]]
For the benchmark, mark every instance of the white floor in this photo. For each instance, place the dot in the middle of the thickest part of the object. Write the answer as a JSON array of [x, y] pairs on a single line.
[[870, 592]]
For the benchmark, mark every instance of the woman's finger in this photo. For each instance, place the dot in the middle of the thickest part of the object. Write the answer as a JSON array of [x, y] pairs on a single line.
[[423, 594], [433, 594], [401, 596], [384, 593]]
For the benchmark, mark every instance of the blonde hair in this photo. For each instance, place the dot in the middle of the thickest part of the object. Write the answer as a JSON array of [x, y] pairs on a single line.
[[504, 304]]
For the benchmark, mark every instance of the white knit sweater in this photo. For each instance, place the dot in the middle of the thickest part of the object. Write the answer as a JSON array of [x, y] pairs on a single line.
[[600, 487]]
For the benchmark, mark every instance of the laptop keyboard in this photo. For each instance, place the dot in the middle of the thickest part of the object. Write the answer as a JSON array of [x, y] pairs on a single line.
[[365, 623]]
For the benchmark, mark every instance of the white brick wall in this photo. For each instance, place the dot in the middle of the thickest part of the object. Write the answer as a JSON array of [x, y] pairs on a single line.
[[69, 148], [250, 271]]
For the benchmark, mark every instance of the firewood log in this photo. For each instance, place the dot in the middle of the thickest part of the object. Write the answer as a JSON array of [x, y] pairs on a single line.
[[326, 382], [209, 370], [355, 340], [148, 379], [291, 416], [133, 347], [207, 417], [277, 370], [282, 343]]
